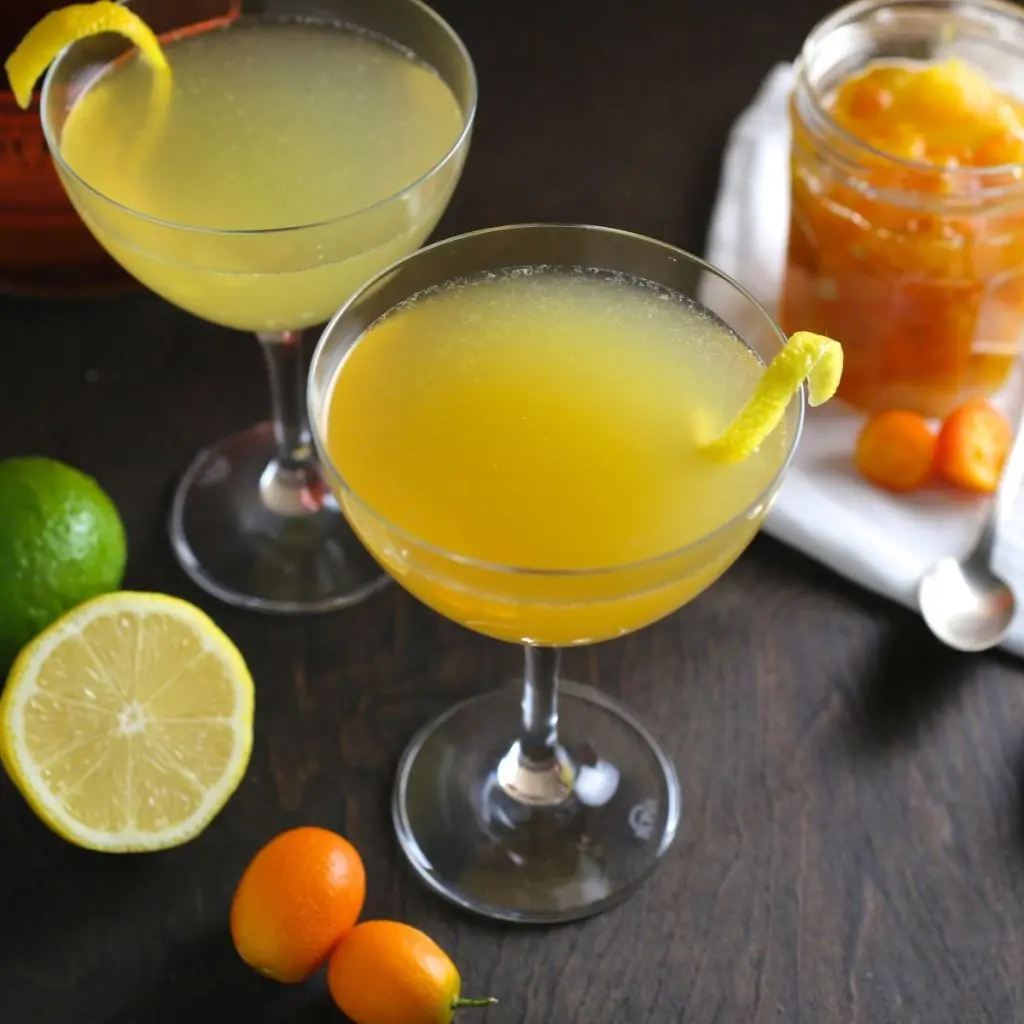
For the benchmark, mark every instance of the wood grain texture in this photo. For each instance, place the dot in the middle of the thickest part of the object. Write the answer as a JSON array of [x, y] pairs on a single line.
[[852, 841]]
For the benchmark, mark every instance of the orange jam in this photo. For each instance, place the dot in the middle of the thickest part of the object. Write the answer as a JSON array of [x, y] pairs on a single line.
[[907, 232]]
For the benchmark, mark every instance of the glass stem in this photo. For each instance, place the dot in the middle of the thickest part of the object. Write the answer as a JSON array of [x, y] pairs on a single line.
[[539, 740], [286, 368], [537, 771]]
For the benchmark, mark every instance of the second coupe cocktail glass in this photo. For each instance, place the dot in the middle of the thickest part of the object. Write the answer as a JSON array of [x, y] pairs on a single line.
[[511, 420], [306, 144]]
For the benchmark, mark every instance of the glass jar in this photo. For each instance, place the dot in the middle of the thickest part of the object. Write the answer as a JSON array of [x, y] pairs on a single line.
[[917, 269]]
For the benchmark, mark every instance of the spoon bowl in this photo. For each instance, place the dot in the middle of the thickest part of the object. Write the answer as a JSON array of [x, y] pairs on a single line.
[[965, 604]]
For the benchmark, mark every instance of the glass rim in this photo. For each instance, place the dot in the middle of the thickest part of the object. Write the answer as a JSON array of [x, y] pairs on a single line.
[[321, 354], [54, 147], [849, 13]]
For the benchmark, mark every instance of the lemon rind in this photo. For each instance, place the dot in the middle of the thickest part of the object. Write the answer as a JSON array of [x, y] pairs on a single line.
[[112, 17], [812, 360]]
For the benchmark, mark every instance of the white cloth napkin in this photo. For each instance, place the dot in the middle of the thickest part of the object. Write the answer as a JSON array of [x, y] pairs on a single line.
[[879, 541]]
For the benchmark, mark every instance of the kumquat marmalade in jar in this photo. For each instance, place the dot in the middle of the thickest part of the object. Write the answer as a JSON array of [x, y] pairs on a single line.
[[907, 225]]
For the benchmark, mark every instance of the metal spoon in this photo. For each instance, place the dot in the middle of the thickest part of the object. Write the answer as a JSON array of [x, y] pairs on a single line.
[[965, 604]]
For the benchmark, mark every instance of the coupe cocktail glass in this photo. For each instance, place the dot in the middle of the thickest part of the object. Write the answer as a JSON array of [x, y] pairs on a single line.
[[307, 144], [521, 456]]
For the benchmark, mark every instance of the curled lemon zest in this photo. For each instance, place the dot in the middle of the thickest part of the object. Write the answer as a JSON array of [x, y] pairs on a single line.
[[805, 357], [66, 25]]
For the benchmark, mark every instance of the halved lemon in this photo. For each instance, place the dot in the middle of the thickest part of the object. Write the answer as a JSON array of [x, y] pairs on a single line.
[[806, 356], [127, 724], [67, 25]]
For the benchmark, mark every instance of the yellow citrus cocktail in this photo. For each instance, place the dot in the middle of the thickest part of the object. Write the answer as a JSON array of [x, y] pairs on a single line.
[[271, 125], [256, 169], [543, 434], [550, 420]]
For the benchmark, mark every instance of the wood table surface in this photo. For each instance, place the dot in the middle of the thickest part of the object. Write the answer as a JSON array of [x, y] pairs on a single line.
[[852, 838]]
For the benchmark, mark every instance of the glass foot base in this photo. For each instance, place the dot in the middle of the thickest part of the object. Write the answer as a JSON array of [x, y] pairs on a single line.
[[479, 848], [262, 536]]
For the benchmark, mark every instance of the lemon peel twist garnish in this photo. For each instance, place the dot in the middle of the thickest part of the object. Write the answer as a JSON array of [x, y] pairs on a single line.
[[806, 356], [67, 25]]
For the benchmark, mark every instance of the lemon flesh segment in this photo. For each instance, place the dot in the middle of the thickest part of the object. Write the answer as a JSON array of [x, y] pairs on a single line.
[[805, 357], [127, 724], [67, 25]]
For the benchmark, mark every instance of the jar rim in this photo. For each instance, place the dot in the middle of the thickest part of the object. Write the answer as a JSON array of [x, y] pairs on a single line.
[[986, 183]]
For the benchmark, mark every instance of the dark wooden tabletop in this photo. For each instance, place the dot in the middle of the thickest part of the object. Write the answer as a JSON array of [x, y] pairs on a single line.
[[852, 841]]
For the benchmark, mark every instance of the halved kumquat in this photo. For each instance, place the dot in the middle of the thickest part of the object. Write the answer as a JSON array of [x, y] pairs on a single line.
[[973, 445]]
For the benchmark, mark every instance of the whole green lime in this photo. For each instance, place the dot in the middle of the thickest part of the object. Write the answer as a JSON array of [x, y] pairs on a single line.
[[61, 542]]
